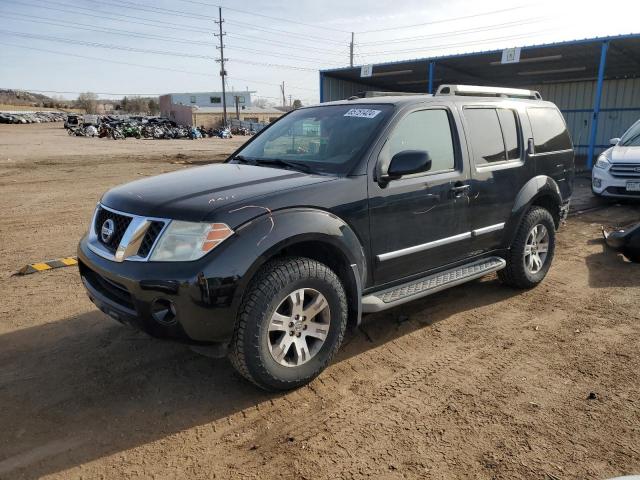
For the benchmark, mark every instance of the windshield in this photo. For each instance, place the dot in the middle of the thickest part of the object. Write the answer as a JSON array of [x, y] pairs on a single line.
[[320, 139], [631, 137]]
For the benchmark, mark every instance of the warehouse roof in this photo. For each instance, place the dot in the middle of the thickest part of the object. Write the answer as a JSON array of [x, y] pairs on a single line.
[[575, 60]]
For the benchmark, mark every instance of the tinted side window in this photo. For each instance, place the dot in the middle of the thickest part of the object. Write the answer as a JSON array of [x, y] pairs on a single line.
[[510, 132], [485, 135], [549, 131], [424, 130]]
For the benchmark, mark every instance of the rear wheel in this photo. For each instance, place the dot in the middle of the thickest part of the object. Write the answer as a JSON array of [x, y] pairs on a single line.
[[291, 323], [531, 253]]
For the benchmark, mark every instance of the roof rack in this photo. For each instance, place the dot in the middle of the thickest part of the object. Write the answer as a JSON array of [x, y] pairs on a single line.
[[371, 93], [478, 91]]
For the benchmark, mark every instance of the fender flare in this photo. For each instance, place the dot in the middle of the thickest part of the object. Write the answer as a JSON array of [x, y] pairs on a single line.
[[262, 237], [537, 187]]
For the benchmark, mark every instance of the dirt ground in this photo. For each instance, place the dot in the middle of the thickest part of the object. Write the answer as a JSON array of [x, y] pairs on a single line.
[[480, 381]]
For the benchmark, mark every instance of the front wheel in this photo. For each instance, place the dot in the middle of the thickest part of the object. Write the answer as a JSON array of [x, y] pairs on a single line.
[[291, 323], [531, 253]]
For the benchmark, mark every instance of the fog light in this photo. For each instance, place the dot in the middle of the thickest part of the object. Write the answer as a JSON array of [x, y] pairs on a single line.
[[597, 183], [163, 311]]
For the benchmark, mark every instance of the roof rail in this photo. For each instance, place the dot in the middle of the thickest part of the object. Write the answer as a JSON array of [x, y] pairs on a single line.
[[478, 91], [371, 94]]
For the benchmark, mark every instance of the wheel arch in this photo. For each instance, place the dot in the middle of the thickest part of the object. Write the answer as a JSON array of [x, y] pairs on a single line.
[[542, 191], [311, 233]]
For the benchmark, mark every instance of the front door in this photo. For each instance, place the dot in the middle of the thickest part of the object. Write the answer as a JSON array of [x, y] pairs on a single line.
[[419, 222]]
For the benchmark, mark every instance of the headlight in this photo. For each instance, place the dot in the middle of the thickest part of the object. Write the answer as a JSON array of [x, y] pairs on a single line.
[[602, 163], [185, 241]]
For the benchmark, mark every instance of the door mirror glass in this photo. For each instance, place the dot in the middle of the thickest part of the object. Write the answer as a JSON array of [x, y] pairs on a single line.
[[409, 162], [614, 141]]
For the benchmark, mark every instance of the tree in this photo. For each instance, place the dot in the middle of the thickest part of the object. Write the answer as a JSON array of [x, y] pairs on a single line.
[[262, 102], [153, 106], [87, 101], [297, 103]]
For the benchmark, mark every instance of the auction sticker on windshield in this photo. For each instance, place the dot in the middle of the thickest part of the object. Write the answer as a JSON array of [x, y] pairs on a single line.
[[362, 113]]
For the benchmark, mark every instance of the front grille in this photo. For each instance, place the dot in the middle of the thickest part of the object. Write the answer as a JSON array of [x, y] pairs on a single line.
[[121, 222], [150, 238], [625, 170]]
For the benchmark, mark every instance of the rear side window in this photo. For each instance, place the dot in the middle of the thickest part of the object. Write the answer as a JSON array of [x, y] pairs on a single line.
[[549, 131], [428, 130], [493, 134]]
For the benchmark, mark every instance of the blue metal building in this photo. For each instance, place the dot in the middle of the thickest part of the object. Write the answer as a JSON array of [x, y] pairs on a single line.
[[595, 82]]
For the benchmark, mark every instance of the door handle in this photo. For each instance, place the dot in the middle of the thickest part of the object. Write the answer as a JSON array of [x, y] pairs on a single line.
[[459, 188]]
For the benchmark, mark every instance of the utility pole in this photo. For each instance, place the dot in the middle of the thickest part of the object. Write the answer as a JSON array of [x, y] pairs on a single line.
[[223, 73], [290, 104], [284, 101], [237, 99], [351, 51]]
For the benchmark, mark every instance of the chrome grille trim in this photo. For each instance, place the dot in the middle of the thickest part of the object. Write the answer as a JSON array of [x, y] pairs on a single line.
[[132, 238], [625, 170]]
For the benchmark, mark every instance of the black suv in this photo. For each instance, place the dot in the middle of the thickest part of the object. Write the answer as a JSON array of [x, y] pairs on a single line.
[[333, 211]]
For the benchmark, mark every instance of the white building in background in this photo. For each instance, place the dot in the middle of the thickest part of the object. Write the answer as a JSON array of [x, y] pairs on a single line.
[[206, 109]]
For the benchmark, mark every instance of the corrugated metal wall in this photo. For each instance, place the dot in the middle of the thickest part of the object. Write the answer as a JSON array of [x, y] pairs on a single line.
[[619, 108], [337, 89]]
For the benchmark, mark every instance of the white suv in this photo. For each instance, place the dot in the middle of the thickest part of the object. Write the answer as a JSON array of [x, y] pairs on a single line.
[[617, 171]]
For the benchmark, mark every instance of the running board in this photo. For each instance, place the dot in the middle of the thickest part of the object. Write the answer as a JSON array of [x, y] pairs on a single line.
[[422, 287]]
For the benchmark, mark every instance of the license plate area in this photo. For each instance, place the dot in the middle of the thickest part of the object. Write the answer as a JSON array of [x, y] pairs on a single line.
[[633, 186]]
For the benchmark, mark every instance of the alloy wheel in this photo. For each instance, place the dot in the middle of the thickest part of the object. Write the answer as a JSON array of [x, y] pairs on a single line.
[[299, 326], [536, 248]]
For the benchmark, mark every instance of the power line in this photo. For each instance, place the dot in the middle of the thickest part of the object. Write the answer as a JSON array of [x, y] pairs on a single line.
[[283, 32], [266, 16], [462, 44], [169, 39], [181, 13], [94, 28], [117, 62], [284, 44], [452, 33], [113, 16], [73, 9], [446, 20], [149, 51]]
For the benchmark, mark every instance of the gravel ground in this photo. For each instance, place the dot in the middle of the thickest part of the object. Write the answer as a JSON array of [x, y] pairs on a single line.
[[479, 381]]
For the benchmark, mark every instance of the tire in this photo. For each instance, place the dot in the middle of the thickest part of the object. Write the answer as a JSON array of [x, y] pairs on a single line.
[[255, 349], [518, 272]]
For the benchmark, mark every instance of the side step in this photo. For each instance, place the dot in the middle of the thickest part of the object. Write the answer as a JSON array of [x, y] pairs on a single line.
[[422, 287]]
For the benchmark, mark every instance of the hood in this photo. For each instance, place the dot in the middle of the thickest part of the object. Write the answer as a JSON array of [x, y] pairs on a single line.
[[194, 193], [620, 154]]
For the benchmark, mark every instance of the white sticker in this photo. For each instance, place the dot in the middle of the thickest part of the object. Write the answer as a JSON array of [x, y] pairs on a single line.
[[362, 113]]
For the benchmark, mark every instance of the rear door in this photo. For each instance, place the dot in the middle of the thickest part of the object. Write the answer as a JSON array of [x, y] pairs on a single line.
[[498, 169], [419, 221], [553, 150]]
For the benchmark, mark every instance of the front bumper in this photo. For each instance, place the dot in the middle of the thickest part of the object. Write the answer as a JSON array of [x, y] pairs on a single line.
[[200, 305], [606, 185]]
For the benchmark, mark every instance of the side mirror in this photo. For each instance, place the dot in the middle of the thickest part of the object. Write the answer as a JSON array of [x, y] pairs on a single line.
[[614, 141], [408, 162]]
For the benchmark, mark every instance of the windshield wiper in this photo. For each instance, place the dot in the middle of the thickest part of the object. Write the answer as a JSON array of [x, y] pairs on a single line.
[[283, 163], [243, 159]]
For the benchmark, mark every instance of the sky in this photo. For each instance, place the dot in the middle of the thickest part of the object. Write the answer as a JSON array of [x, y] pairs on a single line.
[[147, 47]]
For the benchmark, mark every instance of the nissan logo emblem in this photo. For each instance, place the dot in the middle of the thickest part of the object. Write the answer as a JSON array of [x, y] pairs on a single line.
[[107, 230]]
